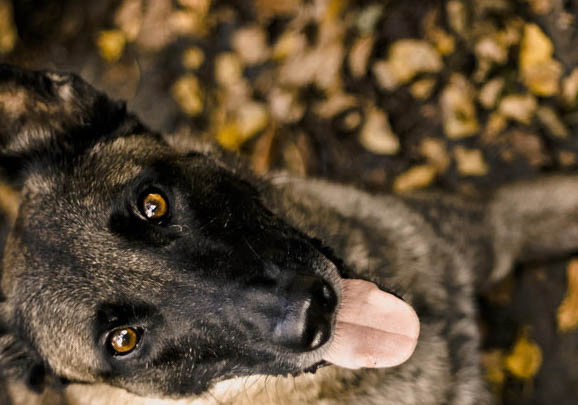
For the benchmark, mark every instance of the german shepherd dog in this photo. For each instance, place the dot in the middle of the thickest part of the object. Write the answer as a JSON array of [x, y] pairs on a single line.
[[135, 271]]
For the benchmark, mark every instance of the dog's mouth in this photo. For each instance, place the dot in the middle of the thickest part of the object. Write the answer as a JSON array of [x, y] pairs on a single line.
[[361, 326], [373, 328]]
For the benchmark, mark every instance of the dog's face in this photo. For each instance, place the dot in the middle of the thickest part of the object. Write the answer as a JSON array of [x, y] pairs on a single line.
[[136, 265]]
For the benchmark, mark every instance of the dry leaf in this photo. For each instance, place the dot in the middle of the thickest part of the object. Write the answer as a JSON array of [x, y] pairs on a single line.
[[525, 359], [458, 109], [435, 152], [228, 69], [359, 56], [570, 88], [252, 117], [470, 162], [552, 122], [490, 92], [8, 33], [111, 44], [407, 58], [415, 178], [368, 18], [250, 44], [519, 107], [193, 58], [188, 94], [129, 18], [568, 310], [421, 89], [377, 135], [540, 72]]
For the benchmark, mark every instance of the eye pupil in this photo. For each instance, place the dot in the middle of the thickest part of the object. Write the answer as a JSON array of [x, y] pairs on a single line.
[[154, 206], [123, 340]]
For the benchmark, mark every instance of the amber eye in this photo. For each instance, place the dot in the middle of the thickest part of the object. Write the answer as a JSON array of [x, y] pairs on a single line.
[[123, 340], [154, 206]]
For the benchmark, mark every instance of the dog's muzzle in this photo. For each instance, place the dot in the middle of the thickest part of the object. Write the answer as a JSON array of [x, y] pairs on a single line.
[[306, 320]]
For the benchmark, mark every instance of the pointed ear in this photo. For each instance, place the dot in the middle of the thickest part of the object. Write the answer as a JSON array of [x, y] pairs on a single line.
[[43, 111]]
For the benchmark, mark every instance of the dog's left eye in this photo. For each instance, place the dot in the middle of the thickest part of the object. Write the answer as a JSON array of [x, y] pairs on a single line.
[[123, 341], [154, 206]]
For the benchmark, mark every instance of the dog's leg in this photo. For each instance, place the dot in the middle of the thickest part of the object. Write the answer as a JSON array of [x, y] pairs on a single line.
[[533, 220]]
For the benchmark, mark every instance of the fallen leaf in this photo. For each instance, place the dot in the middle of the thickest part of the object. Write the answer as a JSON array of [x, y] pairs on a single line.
[[421, 89], [250, 44], [129, 18], [570, 88], [519, 107], [552, 122], [540, 72], [228, 69], [377, 135], [435, 152], [456, 16], [8, 34], [407, 58], [188, 94], [470, 162], [252, 117], [368, 18], [111, 44], [541, 6], [415, 178], [359, 56], [490, 48], [193, 58], [490, 92], [458, 109], [525, 359], [568, 310]]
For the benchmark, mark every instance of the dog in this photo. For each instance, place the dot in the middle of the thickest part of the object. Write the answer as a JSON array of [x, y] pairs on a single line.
[[137, 269]]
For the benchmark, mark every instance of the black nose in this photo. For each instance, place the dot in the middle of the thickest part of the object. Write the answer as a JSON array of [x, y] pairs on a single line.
[[309, 303]]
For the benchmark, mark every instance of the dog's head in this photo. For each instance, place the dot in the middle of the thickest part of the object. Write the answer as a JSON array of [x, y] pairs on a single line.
[[138, 265]]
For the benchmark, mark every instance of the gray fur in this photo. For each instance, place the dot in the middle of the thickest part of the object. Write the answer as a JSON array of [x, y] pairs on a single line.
[[432, 249]]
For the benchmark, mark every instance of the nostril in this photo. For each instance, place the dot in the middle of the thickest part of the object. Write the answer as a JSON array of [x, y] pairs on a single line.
[[328, 299], [306, 320]]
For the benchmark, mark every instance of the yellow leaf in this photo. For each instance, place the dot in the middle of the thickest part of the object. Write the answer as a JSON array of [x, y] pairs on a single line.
[[229, 136], [470, 162], [188, 94], [540, 72], [568, 310], [525, 359], [111, 44], [8, 33], [415, 178], [458, 108]]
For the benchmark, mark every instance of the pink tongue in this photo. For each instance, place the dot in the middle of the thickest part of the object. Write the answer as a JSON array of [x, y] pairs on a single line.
[[374, 328]]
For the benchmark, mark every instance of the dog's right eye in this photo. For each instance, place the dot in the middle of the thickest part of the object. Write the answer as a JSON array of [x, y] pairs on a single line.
[[154, 206], [123, 340]]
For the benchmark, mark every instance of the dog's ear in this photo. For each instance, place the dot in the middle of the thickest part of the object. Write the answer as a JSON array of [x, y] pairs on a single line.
[[42, 111]]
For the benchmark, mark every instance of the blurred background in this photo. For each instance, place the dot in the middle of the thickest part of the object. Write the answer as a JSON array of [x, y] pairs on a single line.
[[399, 95]]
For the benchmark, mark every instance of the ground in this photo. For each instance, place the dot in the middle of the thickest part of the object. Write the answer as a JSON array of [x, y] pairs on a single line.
[[388, 95]]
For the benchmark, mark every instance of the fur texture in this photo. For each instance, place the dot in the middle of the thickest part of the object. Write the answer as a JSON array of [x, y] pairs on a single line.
[[205, 286]]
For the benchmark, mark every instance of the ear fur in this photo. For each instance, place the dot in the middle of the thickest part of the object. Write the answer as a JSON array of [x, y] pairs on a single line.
[[43, 111]]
